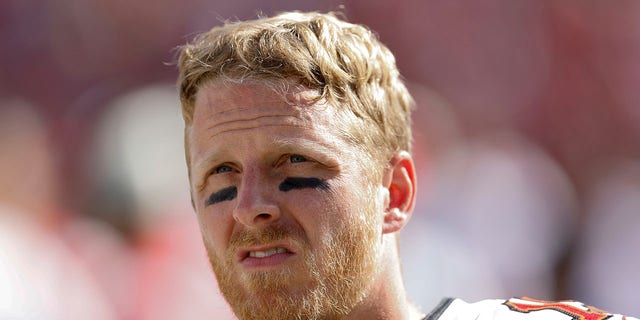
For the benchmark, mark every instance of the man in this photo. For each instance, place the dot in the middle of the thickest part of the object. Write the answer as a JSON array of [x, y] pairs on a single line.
[[298, 148]]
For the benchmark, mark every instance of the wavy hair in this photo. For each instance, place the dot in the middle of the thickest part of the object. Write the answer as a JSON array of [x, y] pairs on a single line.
[[346, 63]]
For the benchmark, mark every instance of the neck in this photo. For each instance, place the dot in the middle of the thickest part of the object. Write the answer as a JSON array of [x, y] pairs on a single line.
[[387, 298]]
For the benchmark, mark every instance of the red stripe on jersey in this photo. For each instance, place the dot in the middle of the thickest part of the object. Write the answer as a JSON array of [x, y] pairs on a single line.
[[570, 310]]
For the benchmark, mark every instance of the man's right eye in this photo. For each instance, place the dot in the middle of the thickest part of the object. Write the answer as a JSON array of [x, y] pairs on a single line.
[[222, 169]]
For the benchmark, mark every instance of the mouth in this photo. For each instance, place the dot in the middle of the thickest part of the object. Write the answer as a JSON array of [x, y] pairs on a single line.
[[267, 253], [264, 257]]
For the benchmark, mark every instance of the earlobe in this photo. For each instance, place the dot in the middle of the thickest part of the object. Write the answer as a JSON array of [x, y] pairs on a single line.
[[394, 220], [400, 181]]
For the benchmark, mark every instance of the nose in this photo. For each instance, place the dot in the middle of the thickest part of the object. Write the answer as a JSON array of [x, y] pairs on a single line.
[[256, 206]]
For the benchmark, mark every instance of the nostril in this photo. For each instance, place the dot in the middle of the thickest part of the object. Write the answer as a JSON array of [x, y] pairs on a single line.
[[263, 216]]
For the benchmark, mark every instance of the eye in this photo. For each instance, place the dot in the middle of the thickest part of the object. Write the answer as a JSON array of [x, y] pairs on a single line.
[[222, 169], [294, 158]]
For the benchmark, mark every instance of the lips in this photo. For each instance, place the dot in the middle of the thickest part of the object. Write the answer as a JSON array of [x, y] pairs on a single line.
[[264, 257]]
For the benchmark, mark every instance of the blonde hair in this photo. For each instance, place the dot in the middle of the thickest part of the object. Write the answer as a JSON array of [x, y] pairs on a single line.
[[346, 63]]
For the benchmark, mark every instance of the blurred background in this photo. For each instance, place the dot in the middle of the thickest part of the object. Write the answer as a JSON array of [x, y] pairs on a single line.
[[527, 142]]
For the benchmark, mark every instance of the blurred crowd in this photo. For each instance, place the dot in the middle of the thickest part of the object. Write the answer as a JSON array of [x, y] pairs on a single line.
[[527, 142]]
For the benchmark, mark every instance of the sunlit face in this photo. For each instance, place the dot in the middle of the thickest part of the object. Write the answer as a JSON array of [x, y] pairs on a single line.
[[291, 223]]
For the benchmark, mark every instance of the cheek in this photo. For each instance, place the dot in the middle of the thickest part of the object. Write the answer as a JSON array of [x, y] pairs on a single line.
[[312, 210], [359, 205], [216, 230], [322, 211]]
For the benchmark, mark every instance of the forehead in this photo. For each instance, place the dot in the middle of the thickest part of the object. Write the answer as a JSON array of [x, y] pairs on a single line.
[[224, 110], [221, 107]]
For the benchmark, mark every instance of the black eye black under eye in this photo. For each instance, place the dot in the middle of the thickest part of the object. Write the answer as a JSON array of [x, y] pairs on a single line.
[[292, 183], [228, 193]]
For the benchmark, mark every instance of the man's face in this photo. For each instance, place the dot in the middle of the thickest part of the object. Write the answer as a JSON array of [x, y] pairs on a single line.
[[291, 223]]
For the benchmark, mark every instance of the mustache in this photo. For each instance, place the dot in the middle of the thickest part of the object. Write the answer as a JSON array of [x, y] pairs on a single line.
[[268, 235]]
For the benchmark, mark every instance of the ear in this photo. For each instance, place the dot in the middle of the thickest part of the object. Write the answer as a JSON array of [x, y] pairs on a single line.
[[400, 181]]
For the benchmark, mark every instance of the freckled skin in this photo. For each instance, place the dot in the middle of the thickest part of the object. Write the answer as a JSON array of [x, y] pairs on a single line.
[[261, 164], [268, 172]]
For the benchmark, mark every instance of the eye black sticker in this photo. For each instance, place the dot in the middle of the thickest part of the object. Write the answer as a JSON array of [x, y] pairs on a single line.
[[292, 183], [228, 193]]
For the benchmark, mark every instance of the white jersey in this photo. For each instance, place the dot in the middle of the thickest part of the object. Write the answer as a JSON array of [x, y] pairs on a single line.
[[519, 309]]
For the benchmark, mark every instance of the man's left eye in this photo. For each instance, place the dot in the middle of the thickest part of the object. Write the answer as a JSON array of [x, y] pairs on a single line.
[[297, 158]]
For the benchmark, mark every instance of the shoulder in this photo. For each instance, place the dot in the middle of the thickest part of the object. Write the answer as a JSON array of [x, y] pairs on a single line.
[[519, 309]]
